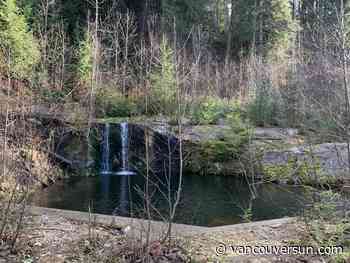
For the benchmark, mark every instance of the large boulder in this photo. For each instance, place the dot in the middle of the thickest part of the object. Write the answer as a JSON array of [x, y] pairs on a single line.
[[322, 163]]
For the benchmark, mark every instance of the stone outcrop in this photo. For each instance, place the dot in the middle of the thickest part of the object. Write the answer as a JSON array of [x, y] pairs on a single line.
[[276, 152], [280, 148], [328, 160]]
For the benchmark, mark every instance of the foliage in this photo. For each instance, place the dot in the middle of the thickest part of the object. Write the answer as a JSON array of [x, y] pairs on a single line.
[[265, 108], [247, 211], [187, 13], [300, 172], [267, 21], [324, 125], [219, 150], [19, 52], [292, 172], [84, 67], [212, 109], [230, 145], [281, 28], [111, 103], [279, 173], [53, 96], [327, 225], [209, 156], [163, 80]]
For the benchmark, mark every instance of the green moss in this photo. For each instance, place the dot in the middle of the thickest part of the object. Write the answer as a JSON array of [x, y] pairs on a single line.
[[205, 157], [221, 155], [210, 154]]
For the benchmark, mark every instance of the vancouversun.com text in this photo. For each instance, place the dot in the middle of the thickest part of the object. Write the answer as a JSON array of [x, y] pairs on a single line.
[[226, 249]]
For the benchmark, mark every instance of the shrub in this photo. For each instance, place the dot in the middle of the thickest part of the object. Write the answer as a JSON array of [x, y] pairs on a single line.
[[265, 109], [111, 103], [17, 43], [53, 96], [211, 109], [321, 127], [207, 156], [327, 225], [232, 142]]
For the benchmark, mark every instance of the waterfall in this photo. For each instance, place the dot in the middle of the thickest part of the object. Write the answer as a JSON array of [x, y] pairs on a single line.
[[106, 150], [124, 135], [125, 142]]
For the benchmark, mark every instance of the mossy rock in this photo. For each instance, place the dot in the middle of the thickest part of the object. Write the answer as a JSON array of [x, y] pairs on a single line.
[[301, 172], [215, 156]]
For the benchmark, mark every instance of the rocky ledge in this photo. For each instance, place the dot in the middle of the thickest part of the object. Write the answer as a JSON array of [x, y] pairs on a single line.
[[325, 163], [280, 155]]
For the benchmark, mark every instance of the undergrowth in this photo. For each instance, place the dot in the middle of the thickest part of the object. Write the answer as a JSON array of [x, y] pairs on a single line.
[[328, 224]]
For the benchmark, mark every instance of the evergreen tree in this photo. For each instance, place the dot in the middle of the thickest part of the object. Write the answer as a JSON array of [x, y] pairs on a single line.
[[188, 13], [279, 28], [264, 24], [163, 81], [19, 52], [85, 63]]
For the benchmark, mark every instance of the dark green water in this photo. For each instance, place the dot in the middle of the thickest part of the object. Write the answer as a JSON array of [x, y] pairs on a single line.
[[205, 200]]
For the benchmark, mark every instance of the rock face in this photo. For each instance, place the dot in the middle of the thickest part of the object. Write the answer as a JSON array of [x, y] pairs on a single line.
[[275, 133], [281, 147], [73, 151], [327, 160], [198, 133], [212, 148], [202, 133], [279, 152]]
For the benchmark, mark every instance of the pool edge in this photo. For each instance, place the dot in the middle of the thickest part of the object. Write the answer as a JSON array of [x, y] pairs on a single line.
[[156, 226]]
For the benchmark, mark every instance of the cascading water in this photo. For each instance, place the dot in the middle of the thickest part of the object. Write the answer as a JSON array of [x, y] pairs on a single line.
[[106, 169], [124, 134]]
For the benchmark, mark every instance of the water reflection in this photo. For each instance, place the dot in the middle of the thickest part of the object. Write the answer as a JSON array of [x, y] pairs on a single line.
[[205, 200], [208, 201]]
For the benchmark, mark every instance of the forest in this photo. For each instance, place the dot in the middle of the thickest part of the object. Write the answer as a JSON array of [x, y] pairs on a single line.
[[202, 120]]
